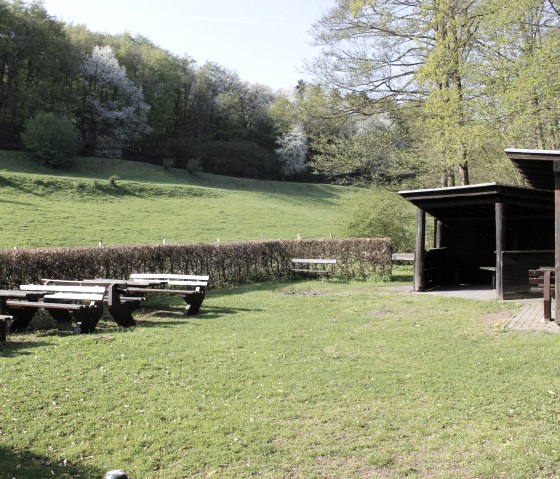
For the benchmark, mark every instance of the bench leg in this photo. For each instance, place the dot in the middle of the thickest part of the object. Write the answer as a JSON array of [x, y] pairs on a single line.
[[194, 301], [3, 329], [22, 318], [547, 300], [121, 312], [87, 319]]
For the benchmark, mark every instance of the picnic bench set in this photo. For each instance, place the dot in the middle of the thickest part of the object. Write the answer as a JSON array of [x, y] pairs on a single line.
[[83, 301]]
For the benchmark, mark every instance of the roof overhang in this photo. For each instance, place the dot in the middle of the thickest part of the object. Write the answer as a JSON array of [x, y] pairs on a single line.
[[535, 166], [477, 202]]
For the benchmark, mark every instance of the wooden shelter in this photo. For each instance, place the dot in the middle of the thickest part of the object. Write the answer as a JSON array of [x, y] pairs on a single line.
[[541, 169], [483, 234]]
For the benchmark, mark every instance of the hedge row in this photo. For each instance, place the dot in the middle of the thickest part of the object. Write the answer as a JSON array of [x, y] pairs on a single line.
[[226, 263]]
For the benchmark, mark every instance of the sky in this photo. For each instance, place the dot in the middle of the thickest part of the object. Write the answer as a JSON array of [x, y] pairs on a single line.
[[264, 41]]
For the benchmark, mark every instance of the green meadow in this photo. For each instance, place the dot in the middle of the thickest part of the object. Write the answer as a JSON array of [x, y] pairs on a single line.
[[286, 380], [81, 206]]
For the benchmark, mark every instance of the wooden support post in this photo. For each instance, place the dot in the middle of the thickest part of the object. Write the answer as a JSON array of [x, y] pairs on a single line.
[[3, 328], [419, 277], [438, 233], [556, 168], [500, 238]]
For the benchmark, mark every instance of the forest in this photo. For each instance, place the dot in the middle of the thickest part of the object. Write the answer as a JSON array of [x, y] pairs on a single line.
[[428, 91]]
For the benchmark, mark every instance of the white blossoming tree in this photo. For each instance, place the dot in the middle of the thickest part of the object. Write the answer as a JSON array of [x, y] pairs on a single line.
[[118, 114], [292, 150]]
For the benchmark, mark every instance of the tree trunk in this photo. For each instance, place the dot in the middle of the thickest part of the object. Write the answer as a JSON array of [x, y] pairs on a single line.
[[450, 178], [464, 173]]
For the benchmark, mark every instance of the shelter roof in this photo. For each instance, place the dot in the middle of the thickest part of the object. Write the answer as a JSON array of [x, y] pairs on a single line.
[[477, 202], [535, 166]]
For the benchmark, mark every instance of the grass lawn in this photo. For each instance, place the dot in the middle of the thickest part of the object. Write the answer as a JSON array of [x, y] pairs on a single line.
[[286, 380], [77, 206]]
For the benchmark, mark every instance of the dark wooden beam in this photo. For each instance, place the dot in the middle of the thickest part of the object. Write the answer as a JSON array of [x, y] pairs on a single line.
[[419, 277], [500, 241], [557, 240]]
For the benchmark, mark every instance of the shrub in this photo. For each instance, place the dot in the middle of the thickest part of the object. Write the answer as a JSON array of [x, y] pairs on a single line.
[[379, 213], [51, 138], [113, 181], [168, 163], [226, 263], [193, 166]]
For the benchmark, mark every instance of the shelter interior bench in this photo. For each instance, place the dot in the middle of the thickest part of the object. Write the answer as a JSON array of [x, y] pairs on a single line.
[[542, 281], [312, 266], [192, 288]]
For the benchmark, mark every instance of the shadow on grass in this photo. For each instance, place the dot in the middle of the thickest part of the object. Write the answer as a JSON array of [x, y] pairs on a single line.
[[25, 464], [402, 277], [17, 186], [172, 316], [14, 347]]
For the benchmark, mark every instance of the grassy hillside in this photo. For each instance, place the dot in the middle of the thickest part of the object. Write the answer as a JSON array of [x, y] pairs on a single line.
[[78, 205]]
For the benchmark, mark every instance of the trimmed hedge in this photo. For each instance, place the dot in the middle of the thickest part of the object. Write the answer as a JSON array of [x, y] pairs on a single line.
[[226, 263]]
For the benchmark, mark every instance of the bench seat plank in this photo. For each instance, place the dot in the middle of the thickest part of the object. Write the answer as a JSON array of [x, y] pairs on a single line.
[[62, 288], [162, 291], [76, 296], [314, 261], [41, 304], [317, 271], [178, 277]]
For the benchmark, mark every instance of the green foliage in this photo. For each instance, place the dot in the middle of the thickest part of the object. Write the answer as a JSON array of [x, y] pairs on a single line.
[[194, 165], [379, 213], [113, 181], [51, 138], [168, 163]]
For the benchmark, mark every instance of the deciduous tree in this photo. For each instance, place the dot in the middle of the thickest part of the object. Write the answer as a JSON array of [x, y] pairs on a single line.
[[114, 106]]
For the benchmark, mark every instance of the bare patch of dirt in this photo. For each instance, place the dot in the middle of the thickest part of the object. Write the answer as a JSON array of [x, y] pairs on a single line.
[[496, 319], [306, 292]]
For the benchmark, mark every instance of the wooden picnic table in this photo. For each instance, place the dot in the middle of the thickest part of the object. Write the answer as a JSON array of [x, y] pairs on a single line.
[[63, 303], [190, 287], [119, 305]]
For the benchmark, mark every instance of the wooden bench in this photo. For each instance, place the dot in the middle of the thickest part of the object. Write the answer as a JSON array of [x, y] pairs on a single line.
[[403, 257], [120, 307], [542, 281], [192, 288], [313, 266], [82, 304], [492, 271]]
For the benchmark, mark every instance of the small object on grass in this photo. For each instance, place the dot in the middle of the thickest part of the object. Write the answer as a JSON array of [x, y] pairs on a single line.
[[116, 474]]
